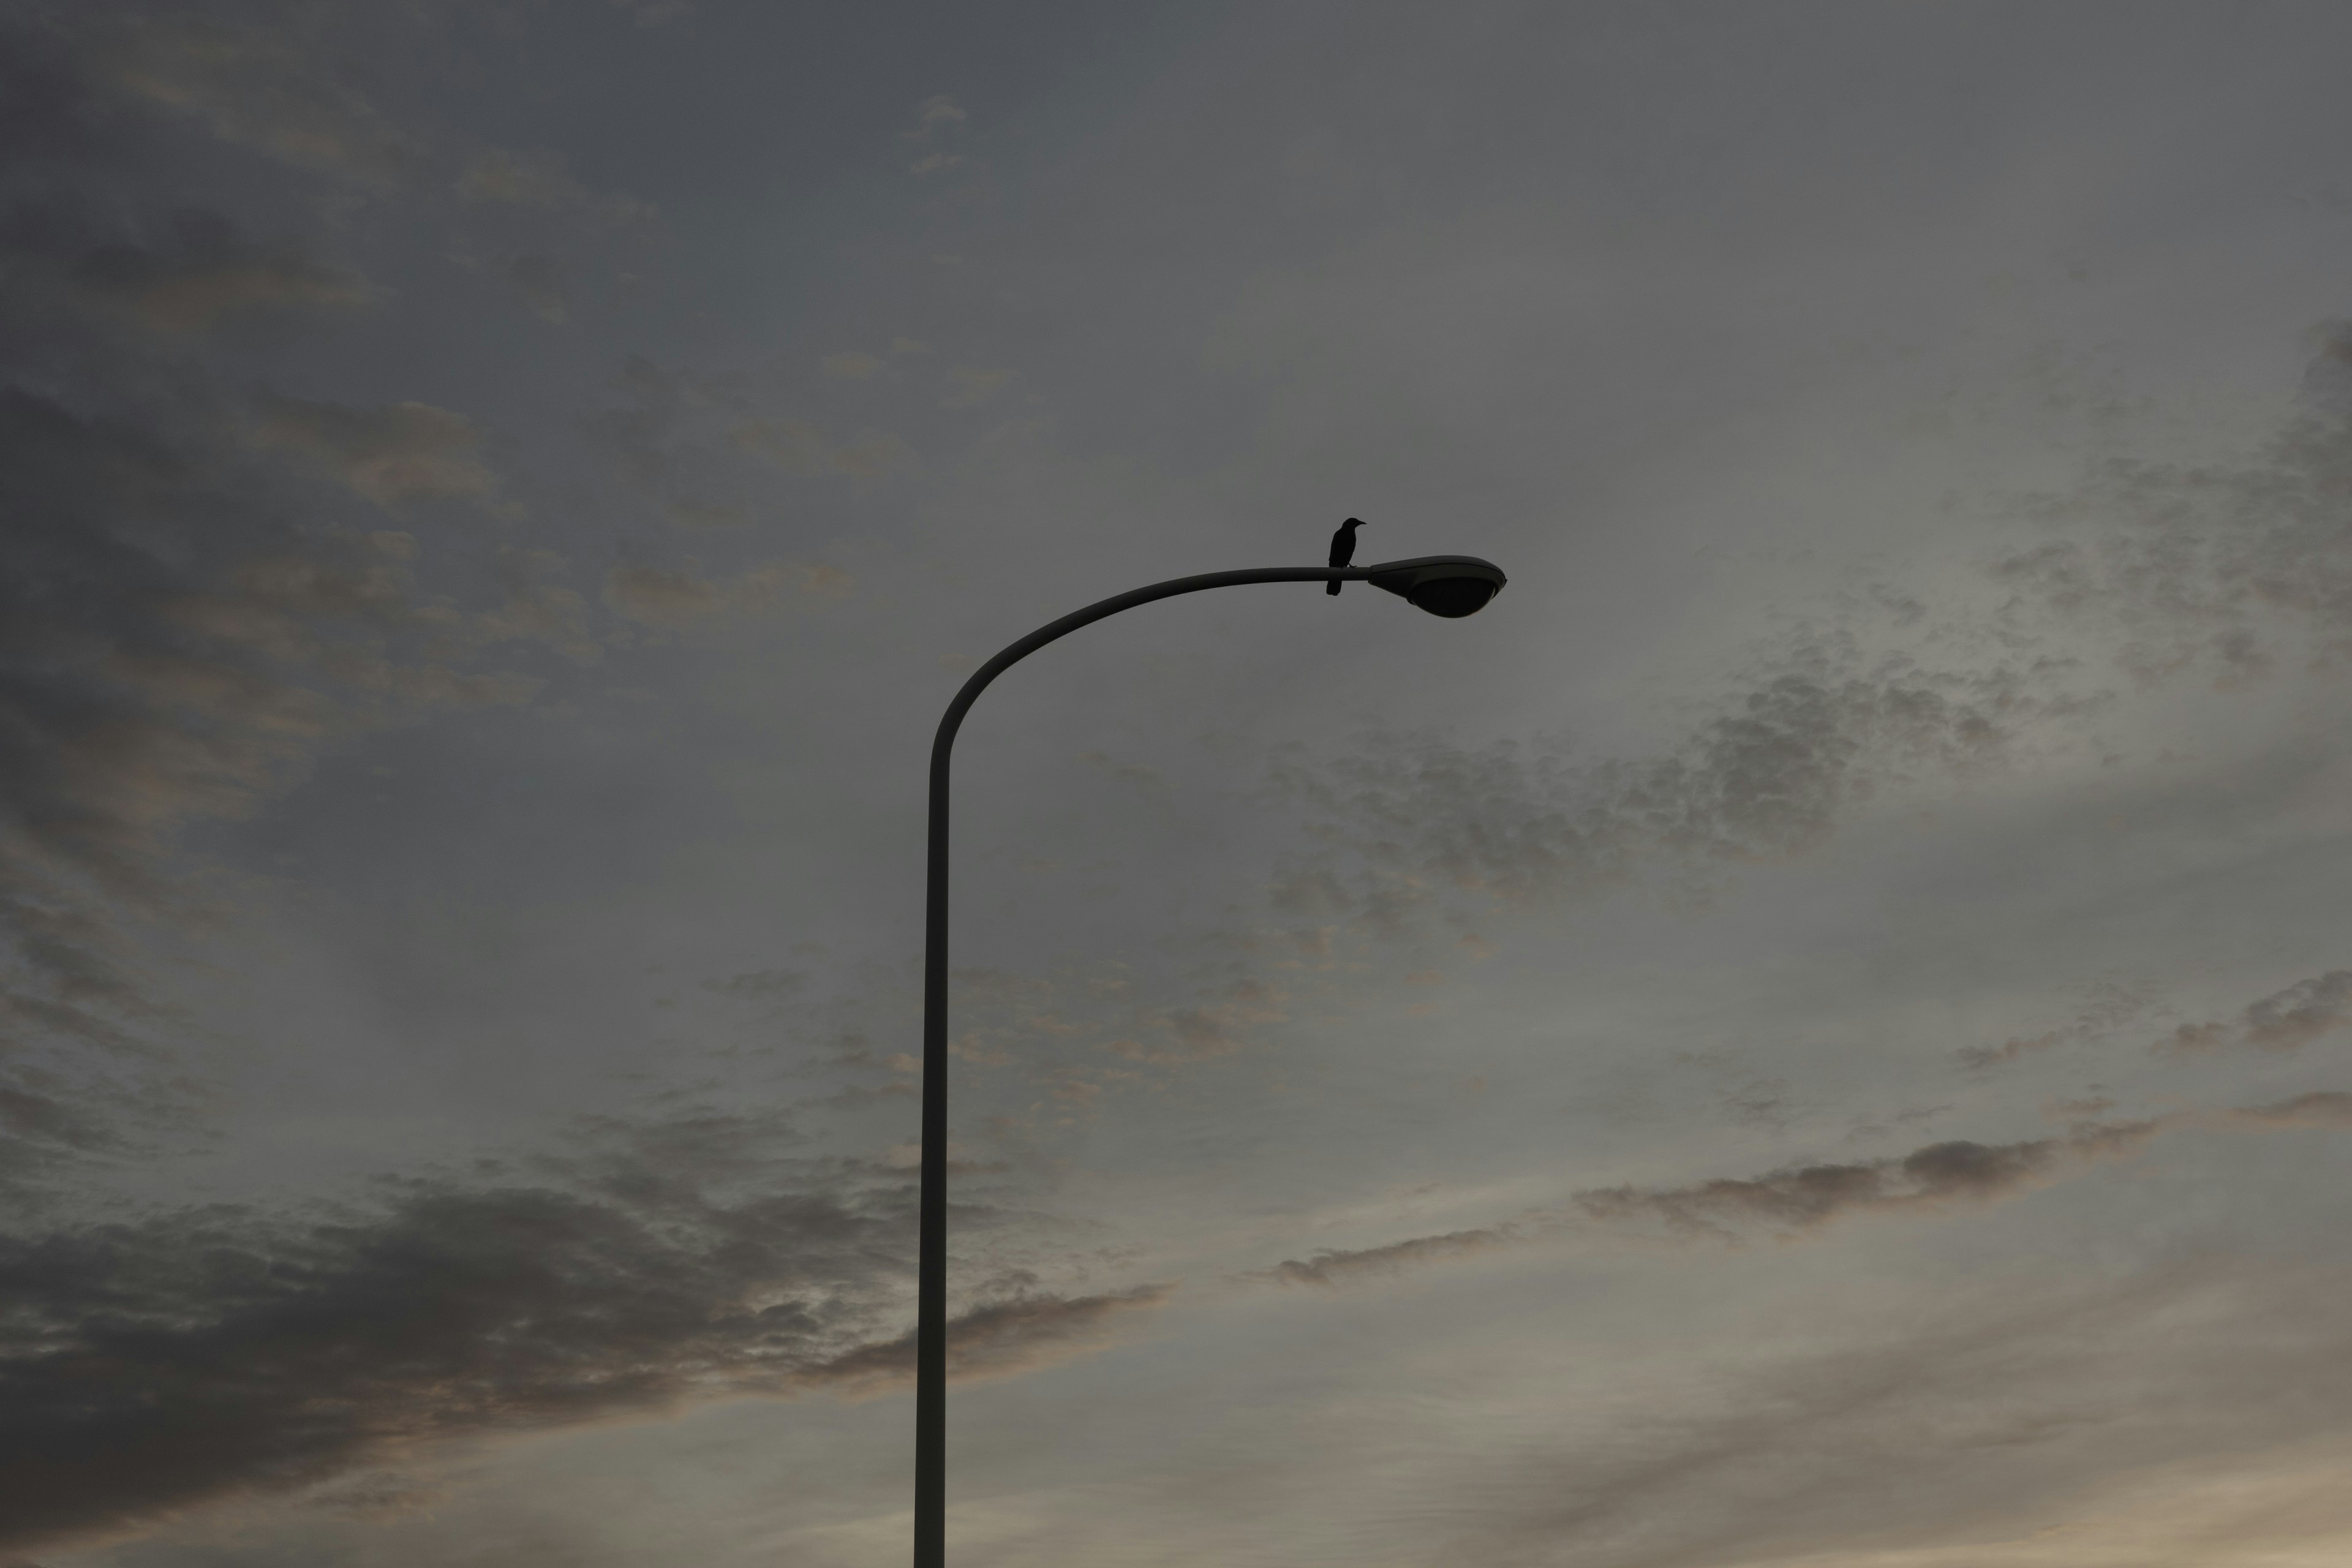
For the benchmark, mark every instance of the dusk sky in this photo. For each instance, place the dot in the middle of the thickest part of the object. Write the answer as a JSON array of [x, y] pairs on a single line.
[[1815, 1032]]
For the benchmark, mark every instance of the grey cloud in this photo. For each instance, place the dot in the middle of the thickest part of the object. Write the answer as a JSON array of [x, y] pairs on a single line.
[[1986, 1418], [801, 448], [2283, 1021], [193, 273], [2321, 1108], [1804, 1197], [1793, 1200], [935, 114], [545, 285], [1798, 1199], [708, 514], [391, 456], [1343, 1267], [155, 1365], [124, 714], [540, 179], [181, 627], [2327, 379], [1022, 1333], [637, 439], [2205, 564], [651, 439], [970, 388], [759, 984], [1058, 1027], [260, 88], [673, 598], [2207, 567], [1767, 780], [2106, 1008], [935, 117], [150, 1367], [536, 609], [49, 110]]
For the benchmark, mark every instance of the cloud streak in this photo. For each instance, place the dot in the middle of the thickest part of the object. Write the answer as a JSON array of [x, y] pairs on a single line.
[[1769, 779], [1800, 1198], [1793, 1201], [2283, 1022], [151, 1367]]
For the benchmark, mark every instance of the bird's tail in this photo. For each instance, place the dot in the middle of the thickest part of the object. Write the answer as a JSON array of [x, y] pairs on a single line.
[[1332, 586]]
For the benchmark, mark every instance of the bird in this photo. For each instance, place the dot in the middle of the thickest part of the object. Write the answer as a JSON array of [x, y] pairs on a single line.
[[1343, 548]]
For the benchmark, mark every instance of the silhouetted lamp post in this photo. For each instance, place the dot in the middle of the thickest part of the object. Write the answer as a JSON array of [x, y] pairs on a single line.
[[1448, 586]]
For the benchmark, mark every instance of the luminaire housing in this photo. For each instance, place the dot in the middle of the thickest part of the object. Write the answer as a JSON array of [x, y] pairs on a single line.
[[1448, 586]]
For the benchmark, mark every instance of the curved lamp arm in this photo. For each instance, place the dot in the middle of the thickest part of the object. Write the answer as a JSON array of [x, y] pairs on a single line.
[[1449, 585]]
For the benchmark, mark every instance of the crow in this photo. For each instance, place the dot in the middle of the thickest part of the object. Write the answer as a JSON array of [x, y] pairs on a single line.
[[1343, 548]]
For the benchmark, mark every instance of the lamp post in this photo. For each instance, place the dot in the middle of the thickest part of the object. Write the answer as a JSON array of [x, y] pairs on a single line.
[[1448, 586]]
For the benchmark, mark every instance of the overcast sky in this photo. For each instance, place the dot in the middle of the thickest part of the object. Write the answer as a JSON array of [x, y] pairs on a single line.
[[1816, 1032]]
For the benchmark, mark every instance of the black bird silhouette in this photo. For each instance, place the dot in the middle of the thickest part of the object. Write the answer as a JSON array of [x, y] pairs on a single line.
[[1343, 548]]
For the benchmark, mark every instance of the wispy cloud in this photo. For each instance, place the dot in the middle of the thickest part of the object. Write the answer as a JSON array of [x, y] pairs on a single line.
[[1800, 1198], [2285, 1021], [151, 1366]]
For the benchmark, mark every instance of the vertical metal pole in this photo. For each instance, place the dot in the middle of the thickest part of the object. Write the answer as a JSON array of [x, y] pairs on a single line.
[[932, 1247], [931, 1254]]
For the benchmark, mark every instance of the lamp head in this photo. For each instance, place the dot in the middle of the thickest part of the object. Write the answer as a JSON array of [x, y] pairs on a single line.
[[1448, 586]]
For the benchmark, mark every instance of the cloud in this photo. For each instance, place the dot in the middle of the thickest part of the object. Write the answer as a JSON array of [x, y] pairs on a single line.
[[1060, 1026], [2106, 1008], [157, 1365], [934, 118], [2208, 567], [2321, 1108], [2202, 568], [136, 690], [181, 627], [545, 285], [536, 610], [174, 651], [181, 276], [529, 179], [2285, 1021], [204, 273], [151, 1366], [391, 456], [1796, 1199], [936, 114], [969, 388], [259, 88], [1799, 1198], [636, 439], [504, 176], [1767, 780], [855, 366], [1217, 1024], [1990, 1425], [674, 599], [1023, 1333], [50, 112], [801, 448], [1339, 1268], [706, 515]]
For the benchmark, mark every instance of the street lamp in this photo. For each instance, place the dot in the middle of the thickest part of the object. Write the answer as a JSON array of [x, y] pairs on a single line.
[[1448, 586]]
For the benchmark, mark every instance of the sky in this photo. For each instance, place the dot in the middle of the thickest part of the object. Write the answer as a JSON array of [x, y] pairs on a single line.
[[1815, 1032]]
